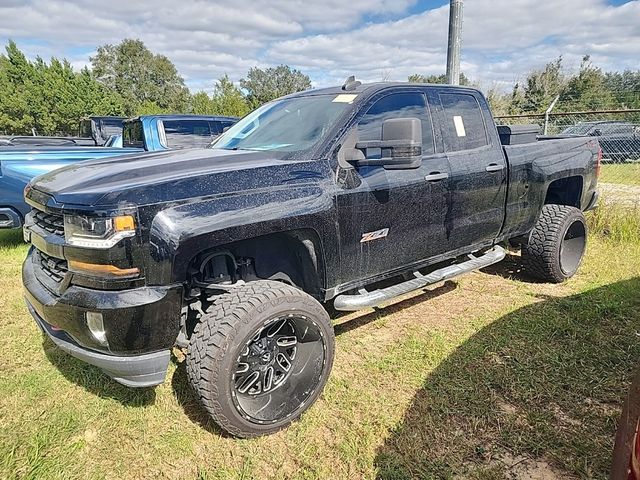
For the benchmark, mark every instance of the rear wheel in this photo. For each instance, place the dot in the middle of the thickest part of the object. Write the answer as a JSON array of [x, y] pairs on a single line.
[[260, 357], [556, 244]]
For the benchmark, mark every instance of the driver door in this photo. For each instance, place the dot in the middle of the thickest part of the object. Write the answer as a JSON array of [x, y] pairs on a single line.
[[391, 218]]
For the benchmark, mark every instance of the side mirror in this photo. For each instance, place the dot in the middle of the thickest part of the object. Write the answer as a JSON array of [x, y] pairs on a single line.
[[597, 132], [400, 146]]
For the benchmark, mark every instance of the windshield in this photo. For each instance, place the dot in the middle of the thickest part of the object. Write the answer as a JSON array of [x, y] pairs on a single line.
[[290, 126]]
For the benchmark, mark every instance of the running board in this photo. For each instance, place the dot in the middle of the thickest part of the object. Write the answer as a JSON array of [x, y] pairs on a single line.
[[366, 299]]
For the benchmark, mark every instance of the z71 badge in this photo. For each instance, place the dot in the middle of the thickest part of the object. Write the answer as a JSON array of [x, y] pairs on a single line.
[[367, 237]]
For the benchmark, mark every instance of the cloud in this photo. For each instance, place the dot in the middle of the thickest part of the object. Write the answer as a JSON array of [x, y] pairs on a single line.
[[373, 39]]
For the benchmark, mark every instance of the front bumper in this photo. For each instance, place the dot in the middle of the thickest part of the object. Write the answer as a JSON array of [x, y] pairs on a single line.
[[135, 371], [141, 325]]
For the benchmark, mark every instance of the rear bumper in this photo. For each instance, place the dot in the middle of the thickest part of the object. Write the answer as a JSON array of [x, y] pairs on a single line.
[[10, 218], [133, 371]]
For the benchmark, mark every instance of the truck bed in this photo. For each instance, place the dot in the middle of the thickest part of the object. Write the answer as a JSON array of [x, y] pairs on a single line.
[[533, 166]]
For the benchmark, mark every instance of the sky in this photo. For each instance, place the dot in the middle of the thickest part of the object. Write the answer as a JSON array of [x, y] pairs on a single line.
[[332, 39]]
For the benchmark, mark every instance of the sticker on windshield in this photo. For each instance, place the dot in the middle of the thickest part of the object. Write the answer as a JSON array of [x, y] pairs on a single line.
[[345, 98], [457, 121]]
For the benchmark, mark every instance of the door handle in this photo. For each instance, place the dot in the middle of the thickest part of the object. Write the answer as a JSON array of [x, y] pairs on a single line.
[[494, 167], [436, 176]]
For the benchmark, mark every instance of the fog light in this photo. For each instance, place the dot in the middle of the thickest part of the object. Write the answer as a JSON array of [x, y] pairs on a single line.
[[96, 327]]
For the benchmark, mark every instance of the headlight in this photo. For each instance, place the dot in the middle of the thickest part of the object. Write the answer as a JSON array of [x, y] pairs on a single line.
[[98, 232]]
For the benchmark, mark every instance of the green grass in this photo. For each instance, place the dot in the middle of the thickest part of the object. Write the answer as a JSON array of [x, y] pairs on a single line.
[[612, 221], [477, 378], [624, 174]]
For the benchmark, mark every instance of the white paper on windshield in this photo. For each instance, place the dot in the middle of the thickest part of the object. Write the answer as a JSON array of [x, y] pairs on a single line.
[[457, 121], [345, 98]]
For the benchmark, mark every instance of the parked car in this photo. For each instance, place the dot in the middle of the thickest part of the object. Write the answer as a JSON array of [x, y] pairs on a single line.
[[148, 132], [620, 141], [43, 141], [349, 196]]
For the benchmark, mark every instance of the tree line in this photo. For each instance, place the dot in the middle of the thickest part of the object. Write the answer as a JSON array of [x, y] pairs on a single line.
[[128, 79], [588, 89], [125, 80]]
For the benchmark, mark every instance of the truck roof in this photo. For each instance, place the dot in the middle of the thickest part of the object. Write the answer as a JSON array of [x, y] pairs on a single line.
[[370, 88]]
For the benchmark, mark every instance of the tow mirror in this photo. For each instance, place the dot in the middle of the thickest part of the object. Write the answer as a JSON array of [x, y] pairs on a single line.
[[400, 146]]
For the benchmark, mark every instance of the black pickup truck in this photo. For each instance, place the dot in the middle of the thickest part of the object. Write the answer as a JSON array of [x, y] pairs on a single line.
[[346, 196]]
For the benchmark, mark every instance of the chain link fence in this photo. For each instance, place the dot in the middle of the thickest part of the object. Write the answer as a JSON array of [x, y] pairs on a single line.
[[617, 131]]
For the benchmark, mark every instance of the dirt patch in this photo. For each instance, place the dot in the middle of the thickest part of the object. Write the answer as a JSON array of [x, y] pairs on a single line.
[[525, 468], [615, 193]]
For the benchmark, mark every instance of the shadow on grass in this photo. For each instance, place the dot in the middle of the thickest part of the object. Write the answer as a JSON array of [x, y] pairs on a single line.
[[511, 268], [94, 380], [11, 238], [544, 382], [188, 401]]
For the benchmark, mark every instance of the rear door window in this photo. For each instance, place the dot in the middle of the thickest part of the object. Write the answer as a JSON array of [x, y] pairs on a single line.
[[187, 133], [463, 127]]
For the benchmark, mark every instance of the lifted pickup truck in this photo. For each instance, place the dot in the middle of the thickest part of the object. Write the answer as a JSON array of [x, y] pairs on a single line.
[[18, 165], [350, 196]]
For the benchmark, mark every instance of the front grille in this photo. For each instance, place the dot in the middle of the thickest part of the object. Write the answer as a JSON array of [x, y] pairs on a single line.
[[51, 222], [54, 268]]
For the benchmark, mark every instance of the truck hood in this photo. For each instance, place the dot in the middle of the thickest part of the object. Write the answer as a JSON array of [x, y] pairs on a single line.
[[167, 176]]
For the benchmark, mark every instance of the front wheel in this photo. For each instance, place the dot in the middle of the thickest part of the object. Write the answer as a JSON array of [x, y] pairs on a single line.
[[556, 245], [260, 357]]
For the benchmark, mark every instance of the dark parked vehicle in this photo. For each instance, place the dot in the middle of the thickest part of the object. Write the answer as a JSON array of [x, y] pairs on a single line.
[[620, 141], [100, 128], [350, 196]]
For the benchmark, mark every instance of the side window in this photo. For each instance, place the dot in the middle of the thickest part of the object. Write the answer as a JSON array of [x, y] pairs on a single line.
[[132, 135], [463, 127], [187, 133], [216, 127], [397, 105]]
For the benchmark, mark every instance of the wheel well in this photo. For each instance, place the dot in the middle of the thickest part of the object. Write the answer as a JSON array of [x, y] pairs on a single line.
[[565, 191], [293, 257]]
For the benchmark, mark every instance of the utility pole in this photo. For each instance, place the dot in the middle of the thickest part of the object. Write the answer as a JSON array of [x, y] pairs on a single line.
[[455, 39]]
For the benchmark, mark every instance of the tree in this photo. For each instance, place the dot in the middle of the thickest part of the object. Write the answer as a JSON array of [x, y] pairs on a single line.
[[228, 99], [140, 77], [625, 86], [541, 87], [588, 90], [48, 98], [264, 85], [201, 104], [419, 78], [17, 82]]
